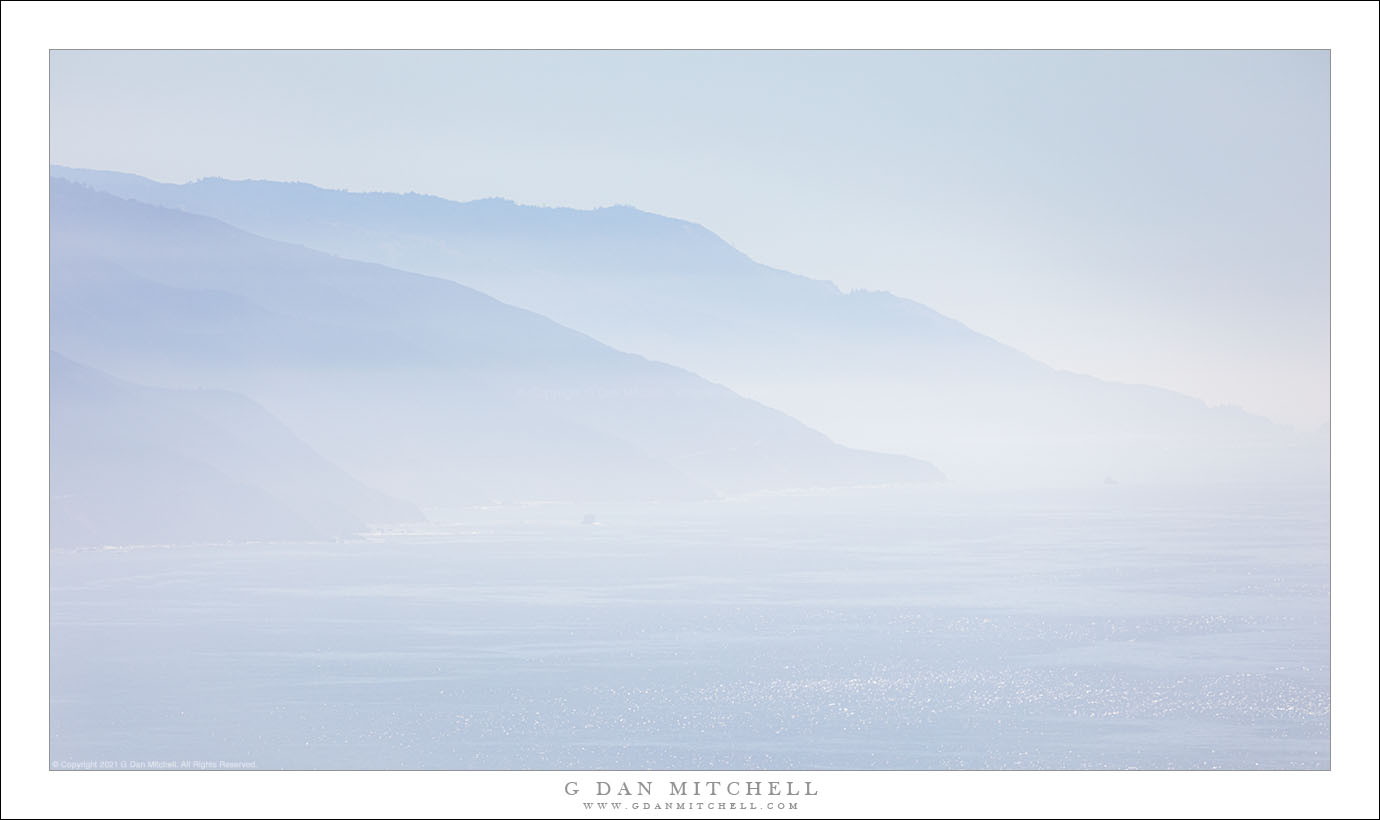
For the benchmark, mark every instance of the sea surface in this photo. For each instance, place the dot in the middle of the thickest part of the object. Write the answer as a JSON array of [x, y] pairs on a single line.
[[923, 628]]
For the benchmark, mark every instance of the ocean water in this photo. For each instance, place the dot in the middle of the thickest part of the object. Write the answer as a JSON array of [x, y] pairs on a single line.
[[925, 628]]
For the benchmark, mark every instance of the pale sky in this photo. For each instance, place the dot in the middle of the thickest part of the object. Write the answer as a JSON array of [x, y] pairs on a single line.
[[1157, 217]]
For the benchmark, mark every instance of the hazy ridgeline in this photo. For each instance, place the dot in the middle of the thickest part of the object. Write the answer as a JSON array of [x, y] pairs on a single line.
[[134, 464], [420, 388], [868, 369]]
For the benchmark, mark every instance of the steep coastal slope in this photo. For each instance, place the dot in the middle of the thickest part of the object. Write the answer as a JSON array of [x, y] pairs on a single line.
[[420, 387], [142, 465], [869, 369]]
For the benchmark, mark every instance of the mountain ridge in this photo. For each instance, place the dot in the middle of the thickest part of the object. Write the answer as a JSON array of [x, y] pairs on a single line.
[[898, 302], [427, 389], [135, 464], [868, 368]]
